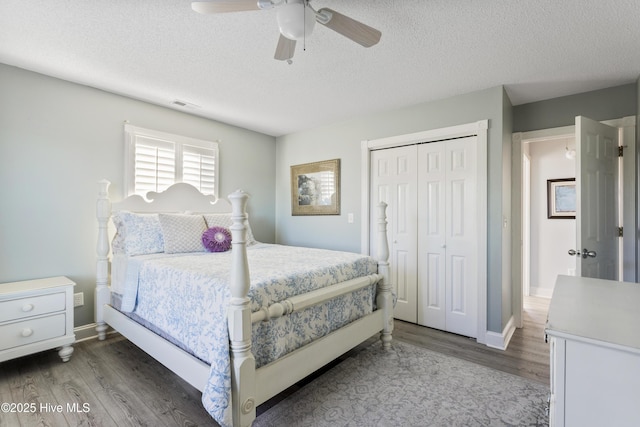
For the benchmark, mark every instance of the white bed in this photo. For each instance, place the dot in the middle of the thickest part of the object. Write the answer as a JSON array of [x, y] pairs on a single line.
[[246, 305]]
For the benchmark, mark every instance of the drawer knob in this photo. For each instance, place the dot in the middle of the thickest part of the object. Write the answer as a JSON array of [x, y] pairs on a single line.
[[27, 307], [27, 332]]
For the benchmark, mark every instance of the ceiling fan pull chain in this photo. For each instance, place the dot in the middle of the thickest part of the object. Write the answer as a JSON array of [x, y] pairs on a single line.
[[304, 21]]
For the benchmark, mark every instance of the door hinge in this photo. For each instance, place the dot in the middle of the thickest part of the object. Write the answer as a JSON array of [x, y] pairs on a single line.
[[620, 151], [619, 231]]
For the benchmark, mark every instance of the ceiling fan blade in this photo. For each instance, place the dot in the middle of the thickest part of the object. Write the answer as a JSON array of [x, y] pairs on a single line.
[[224, 6], [285, 49], [350, 28]]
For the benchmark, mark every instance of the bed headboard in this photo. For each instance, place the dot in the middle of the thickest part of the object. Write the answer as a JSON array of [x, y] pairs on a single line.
[[179, 197]]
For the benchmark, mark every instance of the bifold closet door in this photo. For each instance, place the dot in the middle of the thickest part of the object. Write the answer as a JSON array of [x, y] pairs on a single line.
[[393, 180], [447, 286]]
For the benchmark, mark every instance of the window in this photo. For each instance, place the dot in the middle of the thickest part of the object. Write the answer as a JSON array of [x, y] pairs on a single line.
[[155, 160]]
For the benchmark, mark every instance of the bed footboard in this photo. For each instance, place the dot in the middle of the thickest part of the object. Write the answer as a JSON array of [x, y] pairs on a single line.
[[384, 299], [102, 295], [243, 364], [300, 302]]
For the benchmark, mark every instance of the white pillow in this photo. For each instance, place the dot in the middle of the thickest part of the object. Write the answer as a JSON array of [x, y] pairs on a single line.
[[224, 220], [182, 233], [137, 234]]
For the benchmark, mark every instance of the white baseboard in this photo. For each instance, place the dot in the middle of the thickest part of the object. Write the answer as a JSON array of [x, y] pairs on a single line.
[[501, 341], [540, 292], [87, 332]]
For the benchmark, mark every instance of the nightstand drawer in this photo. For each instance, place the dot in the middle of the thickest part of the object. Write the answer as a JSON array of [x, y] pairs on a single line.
[[32, 330], [31, 306]]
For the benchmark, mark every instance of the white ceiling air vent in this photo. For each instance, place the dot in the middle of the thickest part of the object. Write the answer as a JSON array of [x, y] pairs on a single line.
[[184, 104]]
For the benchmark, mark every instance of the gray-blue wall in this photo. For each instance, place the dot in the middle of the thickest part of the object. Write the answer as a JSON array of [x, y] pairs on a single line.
[[604, 104], [57, 139]]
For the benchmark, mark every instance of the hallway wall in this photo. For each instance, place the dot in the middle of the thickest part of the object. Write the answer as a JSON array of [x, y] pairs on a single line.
[[550, 238]]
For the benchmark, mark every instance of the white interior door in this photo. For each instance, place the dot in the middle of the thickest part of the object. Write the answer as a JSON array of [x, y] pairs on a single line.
[[447, 282], [393, 180], [596, 199]]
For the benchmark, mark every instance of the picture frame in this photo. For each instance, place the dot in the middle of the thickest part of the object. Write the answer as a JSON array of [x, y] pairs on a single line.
[[561, 198], [315, 188]]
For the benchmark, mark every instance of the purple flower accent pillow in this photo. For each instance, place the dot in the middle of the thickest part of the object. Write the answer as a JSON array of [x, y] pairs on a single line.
[[217, 239]]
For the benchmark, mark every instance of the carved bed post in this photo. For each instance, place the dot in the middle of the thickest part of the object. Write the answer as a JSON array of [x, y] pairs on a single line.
[[243, 365], [103, 212], [384, 299]]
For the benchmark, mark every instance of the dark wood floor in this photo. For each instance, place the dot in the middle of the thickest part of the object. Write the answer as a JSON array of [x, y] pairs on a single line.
[[113, 383], [527, 354], [119, 384]]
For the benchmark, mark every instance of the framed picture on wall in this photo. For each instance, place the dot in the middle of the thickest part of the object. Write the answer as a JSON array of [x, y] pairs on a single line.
[[561, 198], [315, 188]]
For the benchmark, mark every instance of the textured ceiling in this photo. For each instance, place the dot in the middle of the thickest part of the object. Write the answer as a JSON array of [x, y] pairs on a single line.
[[160, 51]]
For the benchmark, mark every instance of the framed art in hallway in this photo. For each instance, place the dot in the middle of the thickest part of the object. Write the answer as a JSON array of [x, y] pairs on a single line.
[[561, 198], [315, 188]]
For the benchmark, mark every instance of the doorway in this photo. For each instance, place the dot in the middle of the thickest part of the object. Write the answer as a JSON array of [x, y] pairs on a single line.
[[546, 238], [522, 142]]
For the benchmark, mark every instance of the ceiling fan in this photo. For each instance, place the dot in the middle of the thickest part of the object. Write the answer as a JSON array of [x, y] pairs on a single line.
[[296, 20]]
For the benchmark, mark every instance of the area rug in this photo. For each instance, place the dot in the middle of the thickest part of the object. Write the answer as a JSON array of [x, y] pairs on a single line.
[[411, 386]]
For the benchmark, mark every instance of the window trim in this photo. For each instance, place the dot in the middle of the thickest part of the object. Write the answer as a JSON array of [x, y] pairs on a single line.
[[132, 132]]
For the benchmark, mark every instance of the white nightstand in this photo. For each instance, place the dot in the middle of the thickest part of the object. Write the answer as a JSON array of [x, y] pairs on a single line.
[[36, 315]]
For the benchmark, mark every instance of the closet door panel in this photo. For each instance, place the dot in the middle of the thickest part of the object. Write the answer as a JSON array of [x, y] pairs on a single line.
[[393, 180], [458, 289], [456, 209], [434, 294], [461, 237], [431, 236], [447, 287]]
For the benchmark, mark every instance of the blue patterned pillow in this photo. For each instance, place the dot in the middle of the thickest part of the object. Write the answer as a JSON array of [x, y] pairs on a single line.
[[137, 234]]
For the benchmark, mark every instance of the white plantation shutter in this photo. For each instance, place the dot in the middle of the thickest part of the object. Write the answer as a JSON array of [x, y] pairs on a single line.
[[155, 160], [155, 165], [199, 168]]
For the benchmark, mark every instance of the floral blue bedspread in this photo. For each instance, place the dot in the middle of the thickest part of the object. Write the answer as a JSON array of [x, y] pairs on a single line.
[[186, 296]]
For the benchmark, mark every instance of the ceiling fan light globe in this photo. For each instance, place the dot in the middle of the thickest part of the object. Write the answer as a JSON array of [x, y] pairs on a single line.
[[291, 22]]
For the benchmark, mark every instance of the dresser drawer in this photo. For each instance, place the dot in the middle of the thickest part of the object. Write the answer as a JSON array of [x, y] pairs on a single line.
[[20, 308], [32, 330]]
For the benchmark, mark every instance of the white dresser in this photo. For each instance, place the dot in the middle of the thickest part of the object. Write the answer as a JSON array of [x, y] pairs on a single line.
[[594, 331], [36, 315]]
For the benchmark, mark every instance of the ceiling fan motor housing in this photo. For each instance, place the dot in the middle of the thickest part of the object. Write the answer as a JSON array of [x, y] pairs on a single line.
[[295, 20]]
